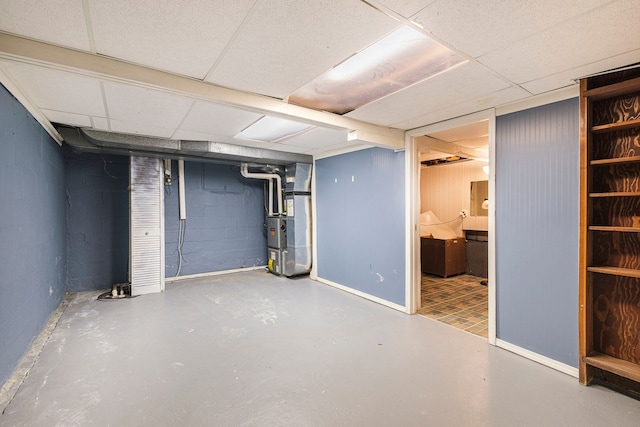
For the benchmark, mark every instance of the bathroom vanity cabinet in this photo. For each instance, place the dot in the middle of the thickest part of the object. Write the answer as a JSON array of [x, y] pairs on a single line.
[[443, 257]]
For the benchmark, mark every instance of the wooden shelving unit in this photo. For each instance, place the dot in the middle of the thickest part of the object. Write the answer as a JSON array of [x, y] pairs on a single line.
[[616, 194], [612, 364], [615, 271], [616, 160], [614, 229], [610, 229], [612, 127]]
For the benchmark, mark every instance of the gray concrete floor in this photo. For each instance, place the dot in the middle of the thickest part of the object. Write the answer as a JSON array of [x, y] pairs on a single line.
[[255, 349]]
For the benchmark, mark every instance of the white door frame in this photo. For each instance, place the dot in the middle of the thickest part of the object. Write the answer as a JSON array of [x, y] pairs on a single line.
[[412, 196]]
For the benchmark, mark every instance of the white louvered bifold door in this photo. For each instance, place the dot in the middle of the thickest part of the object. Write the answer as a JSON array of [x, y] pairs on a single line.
[[147, 225]]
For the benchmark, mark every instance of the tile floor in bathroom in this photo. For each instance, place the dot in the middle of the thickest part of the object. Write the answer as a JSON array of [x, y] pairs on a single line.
[[459, 301]]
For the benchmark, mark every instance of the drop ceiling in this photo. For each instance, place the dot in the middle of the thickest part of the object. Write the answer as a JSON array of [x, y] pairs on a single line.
[[204, 70], [469, 141]]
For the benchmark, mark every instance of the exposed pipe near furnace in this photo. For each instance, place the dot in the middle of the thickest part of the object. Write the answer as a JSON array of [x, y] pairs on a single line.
[[244, 170]]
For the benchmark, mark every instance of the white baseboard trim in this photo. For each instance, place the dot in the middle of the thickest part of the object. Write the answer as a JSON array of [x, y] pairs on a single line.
[[362, 294], [213, 273], [543, 360]]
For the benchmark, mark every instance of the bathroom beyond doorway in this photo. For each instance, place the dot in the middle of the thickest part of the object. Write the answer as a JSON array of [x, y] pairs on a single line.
[[460, 301]]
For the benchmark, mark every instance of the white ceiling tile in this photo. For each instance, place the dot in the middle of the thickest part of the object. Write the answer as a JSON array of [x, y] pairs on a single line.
[[567, 78], [318, 138], [140, 128], [469, 132], [339, 148], [573, 44], [477, 143], [478, 27], [463, 83], [188, 135], [283, 44], [219, 121], [67, 118], [291, 148], [100, 123], [406, 8], [149, 108], [58, 90], [58, 22], [183, 37], [250, 143], [504, 96]]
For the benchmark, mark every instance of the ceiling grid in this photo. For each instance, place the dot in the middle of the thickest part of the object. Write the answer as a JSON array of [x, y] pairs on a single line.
[[205, 70]]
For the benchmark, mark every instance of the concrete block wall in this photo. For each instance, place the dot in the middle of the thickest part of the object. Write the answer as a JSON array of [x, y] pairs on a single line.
[[32, 230], [224, 224], [98, 220]]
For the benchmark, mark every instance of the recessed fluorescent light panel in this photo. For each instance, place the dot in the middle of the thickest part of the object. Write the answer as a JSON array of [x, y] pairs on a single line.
[[273, 129], [395, 62]]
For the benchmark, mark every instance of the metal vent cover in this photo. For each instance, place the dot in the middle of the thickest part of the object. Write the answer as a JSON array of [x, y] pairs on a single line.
[[146, 254]]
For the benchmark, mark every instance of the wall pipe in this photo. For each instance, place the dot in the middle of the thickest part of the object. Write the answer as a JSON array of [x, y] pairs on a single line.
[[181, 195], [244, 170]]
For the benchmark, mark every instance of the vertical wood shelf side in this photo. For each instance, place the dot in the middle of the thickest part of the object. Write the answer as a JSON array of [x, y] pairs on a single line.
[[608, 258]]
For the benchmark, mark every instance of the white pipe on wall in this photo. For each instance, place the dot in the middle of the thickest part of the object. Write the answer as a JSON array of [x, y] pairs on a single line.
[[181, 195], [244, 170]]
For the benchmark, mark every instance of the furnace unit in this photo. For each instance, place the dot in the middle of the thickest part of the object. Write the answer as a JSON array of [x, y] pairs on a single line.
[[289, 232]]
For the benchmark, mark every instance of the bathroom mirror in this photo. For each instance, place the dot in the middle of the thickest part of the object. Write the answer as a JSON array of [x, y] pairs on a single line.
[[479, 193]]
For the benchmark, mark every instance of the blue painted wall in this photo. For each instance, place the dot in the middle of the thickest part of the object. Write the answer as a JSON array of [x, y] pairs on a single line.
[[360, 222], [537, 212], [98, 220], [32, 230], [225, 220]]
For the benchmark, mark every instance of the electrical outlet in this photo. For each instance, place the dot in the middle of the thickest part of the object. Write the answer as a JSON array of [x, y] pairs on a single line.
[[464, 213]]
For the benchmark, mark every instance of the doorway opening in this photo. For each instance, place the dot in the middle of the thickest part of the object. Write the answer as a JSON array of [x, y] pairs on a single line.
[[454, 190]]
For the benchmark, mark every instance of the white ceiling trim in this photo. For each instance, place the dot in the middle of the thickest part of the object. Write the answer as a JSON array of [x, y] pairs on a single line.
[[21, 96], [33, 52]]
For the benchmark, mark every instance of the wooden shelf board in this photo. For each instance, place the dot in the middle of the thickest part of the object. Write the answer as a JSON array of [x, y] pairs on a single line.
[[616, 194], [617, 89], [615, 271], [612, 364], [612, 127], [614, 228], [617, 160]]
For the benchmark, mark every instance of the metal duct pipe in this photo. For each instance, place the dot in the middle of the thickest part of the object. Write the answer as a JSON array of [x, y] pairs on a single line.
[[244, 170]]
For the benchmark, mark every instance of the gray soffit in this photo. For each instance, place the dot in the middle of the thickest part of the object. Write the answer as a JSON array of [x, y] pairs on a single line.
[[87, 140]]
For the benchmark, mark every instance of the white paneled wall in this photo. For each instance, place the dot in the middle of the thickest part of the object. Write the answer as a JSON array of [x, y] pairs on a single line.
[[446, 190]]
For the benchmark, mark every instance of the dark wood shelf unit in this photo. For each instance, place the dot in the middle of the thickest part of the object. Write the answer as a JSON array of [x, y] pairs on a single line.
[[615, 161], [616, 89], [609, 276], [613, 228], [613, 364], [613, 127], [616, 194], [615, 271]]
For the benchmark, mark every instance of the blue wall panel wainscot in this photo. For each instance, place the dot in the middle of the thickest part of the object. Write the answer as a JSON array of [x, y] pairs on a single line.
[[537, 213], [32, 230], [361, 222]]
